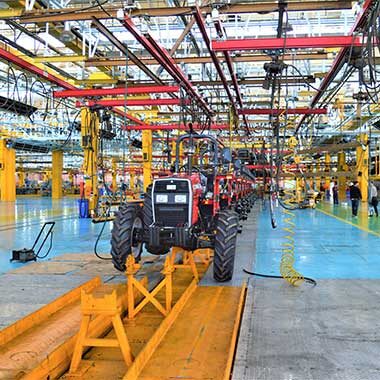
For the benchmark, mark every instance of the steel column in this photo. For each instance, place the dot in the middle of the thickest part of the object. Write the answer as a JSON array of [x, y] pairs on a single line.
[[57, 167], [147, 158], [362, 165], [89, 132], [7, 173]]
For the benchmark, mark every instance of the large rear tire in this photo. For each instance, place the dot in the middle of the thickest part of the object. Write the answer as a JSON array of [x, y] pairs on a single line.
[[225, 245], [123, 236], [148, 220]]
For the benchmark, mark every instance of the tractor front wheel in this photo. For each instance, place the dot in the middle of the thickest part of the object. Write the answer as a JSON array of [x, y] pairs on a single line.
[[227, 227], [125, 240]]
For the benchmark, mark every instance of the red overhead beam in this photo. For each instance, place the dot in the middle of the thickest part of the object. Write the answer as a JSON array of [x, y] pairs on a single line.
[[27, 66], [287, 43], [162, 56], [339, 59], [169, 127], [82, 93], [133, 102], [291, 111]]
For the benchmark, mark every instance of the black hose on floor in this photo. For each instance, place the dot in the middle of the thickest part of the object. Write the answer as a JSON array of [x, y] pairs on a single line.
[[97, 254], [307, 279]]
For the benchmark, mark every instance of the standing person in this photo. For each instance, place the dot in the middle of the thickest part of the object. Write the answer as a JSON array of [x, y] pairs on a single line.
[[373, 198], [355, 196], [335, 193]]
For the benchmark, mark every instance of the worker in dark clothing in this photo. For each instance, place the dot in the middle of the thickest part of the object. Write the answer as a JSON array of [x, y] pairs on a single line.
[[355, 196], [335, 193]]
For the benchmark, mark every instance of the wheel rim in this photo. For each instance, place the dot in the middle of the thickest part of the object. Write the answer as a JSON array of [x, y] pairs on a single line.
[[136, 247]]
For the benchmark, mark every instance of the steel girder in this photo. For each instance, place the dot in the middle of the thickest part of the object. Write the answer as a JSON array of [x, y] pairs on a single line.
[[291, 111], [84, 93], [287, 43]]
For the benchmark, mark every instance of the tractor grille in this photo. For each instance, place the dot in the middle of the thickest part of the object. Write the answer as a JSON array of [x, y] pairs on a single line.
[[168, 211], [171, 216]]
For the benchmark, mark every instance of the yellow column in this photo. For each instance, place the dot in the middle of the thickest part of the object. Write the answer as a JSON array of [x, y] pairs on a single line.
[[173, 151], [132, 180], [342, 180], [21, 179], [57, 167], [362, 166], [318, 179], [114, 175], [147, 158], [7, 173], [90, 144], [327, 168]]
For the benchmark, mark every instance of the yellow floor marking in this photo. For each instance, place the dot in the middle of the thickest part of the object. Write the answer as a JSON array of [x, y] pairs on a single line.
[[348, 222]]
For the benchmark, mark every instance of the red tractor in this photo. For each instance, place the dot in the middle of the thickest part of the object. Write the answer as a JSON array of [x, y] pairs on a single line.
[[193, 208]]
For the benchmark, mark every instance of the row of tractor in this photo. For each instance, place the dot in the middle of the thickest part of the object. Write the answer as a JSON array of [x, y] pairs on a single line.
[[201, 205]]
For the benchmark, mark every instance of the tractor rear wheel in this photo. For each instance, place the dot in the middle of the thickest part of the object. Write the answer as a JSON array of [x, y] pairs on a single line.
[[227, 227], [124, 239], [148, 220]]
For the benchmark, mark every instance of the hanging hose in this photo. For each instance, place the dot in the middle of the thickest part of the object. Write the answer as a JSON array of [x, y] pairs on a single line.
[[288, 249]]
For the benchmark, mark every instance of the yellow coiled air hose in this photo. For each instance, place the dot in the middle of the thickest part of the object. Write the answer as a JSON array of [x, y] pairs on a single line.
[[288, 259], [288, 249]]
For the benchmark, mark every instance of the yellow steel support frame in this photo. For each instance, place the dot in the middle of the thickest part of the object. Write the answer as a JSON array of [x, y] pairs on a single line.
[[90, 144], [132, 284], [342, 181], [57, 168], [362, 171], [93, 306], [7, 173], [147, 158]]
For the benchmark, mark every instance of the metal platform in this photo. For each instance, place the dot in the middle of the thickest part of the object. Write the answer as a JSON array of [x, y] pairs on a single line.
[[198, 326]]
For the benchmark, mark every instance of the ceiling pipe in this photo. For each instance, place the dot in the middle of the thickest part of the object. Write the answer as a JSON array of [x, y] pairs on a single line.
[[221, 33], [165, 60], [339, 60]]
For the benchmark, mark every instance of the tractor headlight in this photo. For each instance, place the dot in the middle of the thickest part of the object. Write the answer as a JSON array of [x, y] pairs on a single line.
[[180, 199], [161, 198]]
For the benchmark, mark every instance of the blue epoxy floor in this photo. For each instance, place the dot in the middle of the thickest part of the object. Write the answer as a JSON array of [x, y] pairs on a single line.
[[20, 223], [326, 248]]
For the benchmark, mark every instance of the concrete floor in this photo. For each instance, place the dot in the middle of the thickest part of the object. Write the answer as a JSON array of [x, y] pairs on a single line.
[[330, 331], [305, 333]]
